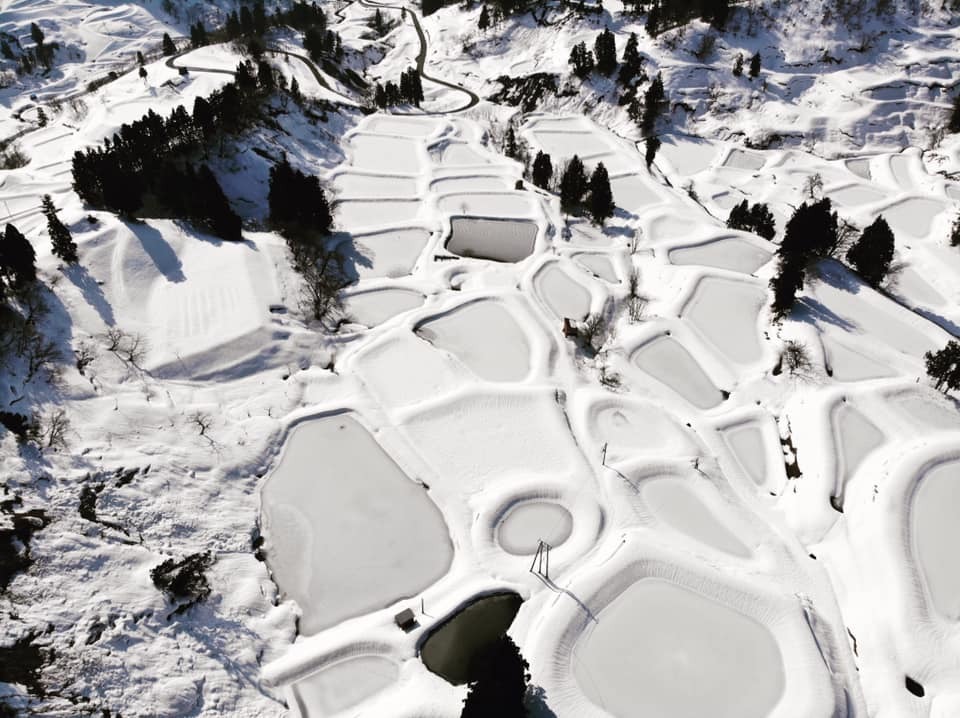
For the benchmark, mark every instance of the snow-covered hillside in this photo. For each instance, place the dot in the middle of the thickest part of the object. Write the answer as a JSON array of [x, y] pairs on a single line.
[[732, 534]]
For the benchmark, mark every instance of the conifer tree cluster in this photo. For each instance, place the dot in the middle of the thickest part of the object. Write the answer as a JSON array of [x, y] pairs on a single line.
[[408, 91], [654, 100], [944, 366], [872, 254], [605, 52], [757, 219], [667, 14], [542, 173], [151, 155], [500, 679], [63, 244], [198, 35], [18, 261], [299, 210], [581, 60], [577, 190], [811, 234]]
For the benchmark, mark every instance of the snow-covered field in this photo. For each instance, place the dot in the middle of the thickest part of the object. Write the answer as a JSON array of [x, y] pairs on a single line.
[[416, 456]]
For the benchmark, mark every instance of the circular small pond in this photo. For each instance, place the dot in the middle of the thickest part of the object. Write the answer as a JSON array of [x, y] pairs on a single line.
[[451, 648], [526, 524]]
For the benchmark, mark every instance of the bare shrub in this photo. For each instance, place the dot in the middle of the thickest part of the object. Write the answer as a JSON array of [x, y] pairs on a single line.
[[53, 429], [593, 333], [201, 420], [85, 354], [131, 348], [796, 358], [13, 158], [813, 186]]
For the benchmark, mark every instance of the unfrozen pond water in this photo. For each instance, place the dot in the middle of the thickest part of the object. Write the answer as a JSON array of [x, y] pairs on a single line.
[[343, 684], [347, 531], [377, 306], [450, 649], [565, 297], [485, 337], [725, 311], [495, 239], [936, 535], [662, 650], [673, 501], [732, 253], [669, 362], [526, 524]]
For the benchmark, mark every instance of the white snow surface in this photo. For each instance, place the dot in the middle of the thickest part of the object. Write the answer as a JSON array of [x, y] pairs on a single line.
[[686, 551]]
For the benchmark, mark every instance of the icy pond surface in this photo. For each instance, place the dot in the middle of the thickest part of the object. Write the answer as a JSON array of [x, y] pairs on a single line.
[[857, 436], [344, 684], [659, 649], [725, 311], [325, 519], [485, 337], [936, 536], [378, 305], [667, 361], [747, 444], [733, 253], [566, 297], [526, 524], [495, 239], [676, 503], [449, 649]]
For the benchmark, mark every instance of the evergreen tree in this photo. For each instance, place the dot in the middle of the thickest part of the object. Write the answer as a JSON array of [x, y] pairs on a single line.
[[605, 50], [738, 65], [581, 59], [484, 21], [652, 25], [259, 19], [810, 235], [203, 119], [265, 76], [298, 205], [542, 170], [295, 90], [601, 195], [762, 221], [198, 35], [140, 59], [573, 184], [954, 124], [168, 47], [632, 61], [42, 117], [379, 96], [510, 147], [36, 34], [955, 232], [785, 284], [755, 64], [143, 73], [652, 102], [63, 244], [213, 211], [652, 145], [19, 260], [246, 21], [500, 682], [944, 366], [872, 253], [233, 26]]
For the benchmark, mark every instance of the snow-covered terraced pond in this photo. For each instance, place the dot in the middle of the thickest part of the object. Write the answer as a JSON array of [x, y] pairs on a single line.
[[324, 520], [632, 193], [494, 239], [495, 204], [856, 437], [384, 254], [659, 649], [469, 183], [523, 527], [732, 253], [744, 160], [677, 504], [856, 195], [936, 535], [565, 144], [485, 337], [913, 216], [564, 295], [848, 364], [667, 361], [352, 214], [355, 184], [380, 153], [343, 684], [726, 313], [376, 306]]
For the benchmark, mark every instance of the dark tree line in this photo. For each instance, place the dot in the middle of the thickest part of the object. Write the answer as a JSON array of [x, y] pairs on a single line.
[[408, 91], [577, 191], [499, 685], [757, 219], [666, 14], [814, 232], [300, 212], [151, 156], [30, 58]]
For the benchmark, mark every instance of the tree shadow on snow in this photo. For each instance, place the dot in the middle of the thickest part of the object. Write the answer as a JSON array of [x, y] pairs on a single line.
[[159, 250], [91, 292], [811, 311], [355, 255]]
